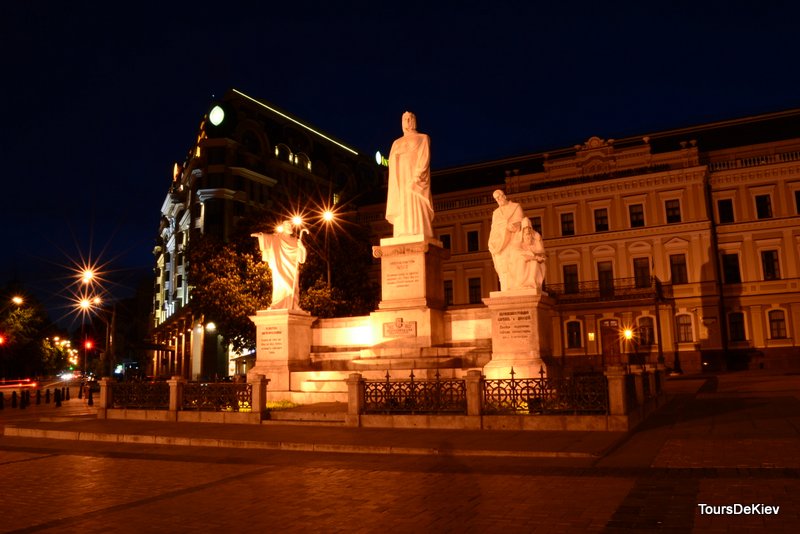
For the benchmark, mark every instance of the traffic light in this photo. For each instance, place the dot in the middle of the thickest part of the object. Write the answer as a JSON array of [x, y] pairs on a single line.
[[88, 345]]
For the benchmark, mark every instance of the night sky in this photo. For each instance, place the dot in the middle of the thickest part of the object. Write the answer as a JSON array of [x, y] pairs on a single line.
[[100, 100]]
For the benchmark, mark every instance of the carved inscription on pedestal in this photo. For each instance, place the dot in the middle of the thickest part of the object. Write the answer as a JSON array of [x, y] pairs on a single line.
[[272, 341], [514, 326], [400, 329]]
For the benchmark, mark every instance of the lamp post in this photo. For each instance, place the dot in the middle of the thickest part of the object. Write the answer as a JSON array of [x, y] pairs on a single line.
[[328, 216]]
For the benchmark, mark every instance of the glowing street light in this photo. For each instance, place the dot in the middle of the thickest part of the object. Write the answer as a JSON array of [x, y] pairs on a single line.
[[87, 276], [17, 300]]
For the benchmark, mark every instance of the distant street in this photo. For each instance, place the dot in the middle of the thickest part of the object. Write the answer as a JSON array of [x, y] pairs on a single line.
[[722, 441]]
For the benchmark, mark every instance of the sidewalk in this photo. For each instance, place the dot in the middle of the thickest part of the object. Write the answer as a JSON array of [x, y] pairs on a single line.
[[736, 419]]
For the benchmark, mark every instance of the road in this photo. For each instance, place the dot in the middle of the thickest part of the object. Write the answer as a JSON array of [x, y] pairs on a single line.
[[718, 444]]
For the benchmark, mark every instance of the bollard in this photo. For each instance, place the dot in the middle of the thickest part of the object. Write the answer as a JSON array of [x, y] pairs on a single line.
[[22, 400], [80, 390], [67, 397], [57, 398], [89, 397], [47, 396], [38, 397], [62, 393], [2, 400], [13, 399]]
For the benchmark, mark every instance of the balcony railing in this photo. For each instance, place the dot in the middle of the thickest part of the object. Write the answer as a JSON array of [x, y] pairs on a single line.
[[616, 289]]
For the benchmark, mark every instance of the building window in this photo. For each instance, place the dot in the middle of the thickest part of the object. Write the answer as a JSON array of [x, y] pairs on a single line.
[[570, 278], [769, 265], [445, 239], [684, 328], [536, 223], [636, 213], [474, 290], [777, 324], [763, 207], [574, 335], [601, 220], [567, 224], [641, 271], [736, 326], [448, 292], [646, 331], [605, 277], [472, 241], [725, 210], [677, 269], [673, 209], [730, 268]]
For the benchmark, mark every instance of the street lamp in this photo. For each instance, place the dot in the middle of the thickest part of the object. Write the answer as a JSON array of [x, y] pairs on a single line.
[[328, 216]]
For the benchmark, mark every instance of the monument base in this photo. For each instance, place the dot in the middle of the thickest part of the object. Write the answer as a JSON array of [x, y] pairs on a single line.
[[521, 333], [283, 344], [411, 272]]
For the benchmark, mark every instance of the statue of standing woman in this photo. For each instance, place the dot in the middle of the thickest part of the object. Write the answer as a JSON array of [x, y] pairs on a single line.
[[409, 205], [284, 253]]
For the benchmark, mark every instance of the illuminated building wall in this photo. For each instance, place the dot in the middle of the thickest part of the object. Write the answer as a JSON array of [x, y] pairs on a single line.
[[248, 156], [689, 236]]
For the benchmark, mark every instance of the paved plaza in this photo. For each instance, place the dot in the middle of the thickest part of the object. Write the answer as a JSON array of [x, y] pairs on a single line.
[[728, 440]]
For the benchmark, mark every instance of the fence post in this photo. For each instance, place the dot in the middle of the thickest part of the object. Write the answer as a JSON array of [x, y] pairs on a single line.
[[617, 399], [176, 394], [104, 399], [259, 384], [355, 399], [474, 392]]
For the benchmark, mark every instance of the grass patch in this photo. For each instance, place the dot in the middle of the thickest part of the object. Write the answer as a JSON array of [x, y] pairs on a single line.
[[281, 405]]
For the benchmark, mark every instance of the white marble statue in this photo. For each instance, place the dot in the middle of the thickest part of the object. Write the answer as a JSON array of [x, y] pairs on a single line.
[[506, 225], [284, 253], [409, 206], [527, 258]]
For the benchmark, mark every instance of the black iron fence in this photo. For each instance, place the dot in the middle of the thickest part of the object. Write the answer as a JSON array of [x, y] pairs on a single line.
[[576, 395], [203, 396], [218, 396], [140, 395], [535, 396], [413, 396]]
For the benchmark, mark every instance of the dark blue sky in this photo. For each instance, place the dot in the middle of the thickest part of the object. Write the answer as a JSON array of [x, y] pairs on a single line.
[[99, 102]]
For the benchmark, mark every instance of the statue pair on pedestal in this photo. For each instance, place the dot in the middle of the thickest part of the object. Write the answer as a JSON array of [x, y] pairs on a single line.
[[517, 249]]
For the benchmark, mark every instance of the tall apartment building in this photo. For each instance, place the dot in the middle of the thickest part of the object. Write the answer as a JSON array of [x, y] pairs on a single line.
[[688, 238], [248, 156]]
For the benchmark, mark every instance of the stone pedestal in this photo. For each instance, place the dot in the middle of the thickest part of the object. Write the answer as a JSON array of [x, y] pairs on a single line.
[[411, 272], [283, 344], [411, 311], [521, 333]]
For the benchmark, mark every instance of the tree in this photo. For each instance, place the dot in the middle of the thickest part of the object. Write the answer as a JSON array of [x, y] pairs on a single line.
[[229, 283], [22, 325]]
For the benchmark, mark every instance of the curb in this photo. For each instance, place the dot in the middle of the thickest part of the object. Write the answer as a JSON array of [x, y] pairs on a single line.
[[13, 431]]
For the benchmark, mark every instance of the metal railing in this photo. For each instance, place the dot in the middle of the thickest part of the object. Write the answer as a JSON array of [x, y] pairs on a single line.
[[217, 397], [575, 395], [140, 395], [616, 289], [413, 396]]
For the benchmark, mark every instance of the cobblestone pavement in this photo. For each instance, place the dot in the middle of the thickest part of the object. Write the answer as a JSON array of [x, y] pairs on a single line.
[[727, 440]]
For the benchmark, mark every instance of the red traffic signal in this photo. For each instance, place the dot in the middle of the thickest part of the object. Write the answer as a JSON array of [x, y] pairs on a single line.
[[88, 344]]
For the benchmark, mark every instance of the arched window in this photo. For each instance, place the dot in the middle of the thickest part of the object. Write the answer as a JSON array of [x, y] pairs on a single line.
[[574, 337], [777, 324], [683, 324]]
